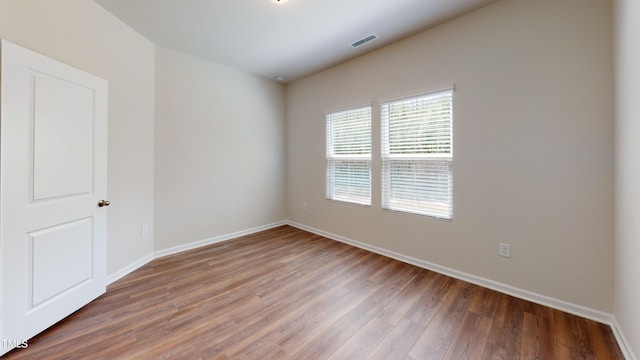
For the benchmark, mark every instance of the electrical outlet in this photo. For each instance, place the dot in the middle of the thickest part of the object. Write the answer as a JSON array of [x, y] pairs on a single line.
[[144, 231], [305, 206], [504, 250]]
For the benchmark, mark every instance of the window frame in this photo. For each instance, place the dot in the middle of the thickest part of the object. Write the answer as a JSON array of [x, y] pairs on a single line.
[[438, 201], [332, 158]]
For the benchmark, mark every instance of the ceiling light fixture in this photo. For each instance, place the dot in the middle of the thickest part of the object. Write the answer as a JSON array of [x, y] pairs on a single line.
[[279, 1]]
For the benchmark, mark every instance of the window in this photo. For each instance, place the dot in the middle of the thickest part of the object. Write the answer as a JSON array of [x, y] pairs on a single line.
[[349, 156], [417, 155]]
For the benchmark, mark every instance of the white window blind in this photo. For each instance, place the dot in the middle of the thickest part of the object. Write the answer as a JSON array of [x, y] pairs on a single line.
[[349, 156], [417, 157]]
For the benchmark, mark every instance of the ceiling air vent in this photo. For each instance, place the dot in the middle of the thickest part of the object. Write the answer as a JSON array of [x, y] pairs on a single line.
[[363, 41]]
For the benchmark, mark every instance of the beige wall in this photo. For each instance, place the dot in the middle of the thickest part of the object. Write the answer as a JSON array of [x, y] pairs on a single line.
[[219, 150], [209, 116], [533, 142], [533, 146], [82, 34], [627, 291]]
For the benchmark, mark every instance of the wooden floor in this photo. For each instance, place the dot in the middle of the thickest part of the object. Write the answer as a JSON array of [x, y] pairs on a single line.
[[288, 294]]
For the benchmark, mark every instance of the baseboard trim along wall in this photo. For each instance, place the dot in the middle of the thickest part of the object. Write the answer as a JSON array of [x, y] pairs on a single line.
[[215, 239], [574, 309], [192, 245], [129, 269], [622, 340]]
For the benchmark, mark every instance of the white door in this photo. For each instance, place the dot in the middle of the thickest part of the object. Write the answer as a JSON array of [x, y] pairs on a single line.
[[53, 171]]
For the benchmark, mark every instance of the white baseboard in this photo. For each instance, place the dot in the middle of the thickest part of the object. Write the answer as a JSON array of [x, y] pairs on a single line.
[[575, 309], [579, 310], [193, 245], [622, 340], [216, 239], [490, 284], [129, 269]]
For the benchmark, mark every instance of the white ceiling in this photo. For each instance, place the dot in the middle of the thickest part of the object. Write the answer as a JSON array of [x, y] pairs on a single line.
[[293, 39]]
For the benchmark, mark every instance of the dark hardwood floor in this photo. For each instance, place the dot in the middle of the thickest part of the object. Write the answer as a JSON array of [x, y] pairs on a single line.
[[288, 294]]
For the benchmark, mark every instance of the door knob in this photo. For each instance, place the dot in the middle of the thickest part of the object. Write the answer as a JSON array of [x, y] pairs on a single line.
[[102, 203]]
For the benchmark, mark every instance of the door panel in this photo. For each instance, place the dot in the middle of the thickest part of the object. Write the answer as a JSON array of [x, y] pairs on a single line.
[[53, 171], [51, 275], [62, 162]]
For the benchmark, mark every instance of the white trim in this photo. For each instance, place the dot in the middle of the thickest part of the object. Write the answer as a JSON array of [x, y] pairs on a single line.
[[348, 108], [579, 310], [362, 157], [129, 269], [574, 309], [214, 240], [625, 347], [416, 94], [417, 157], [193, 245]]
